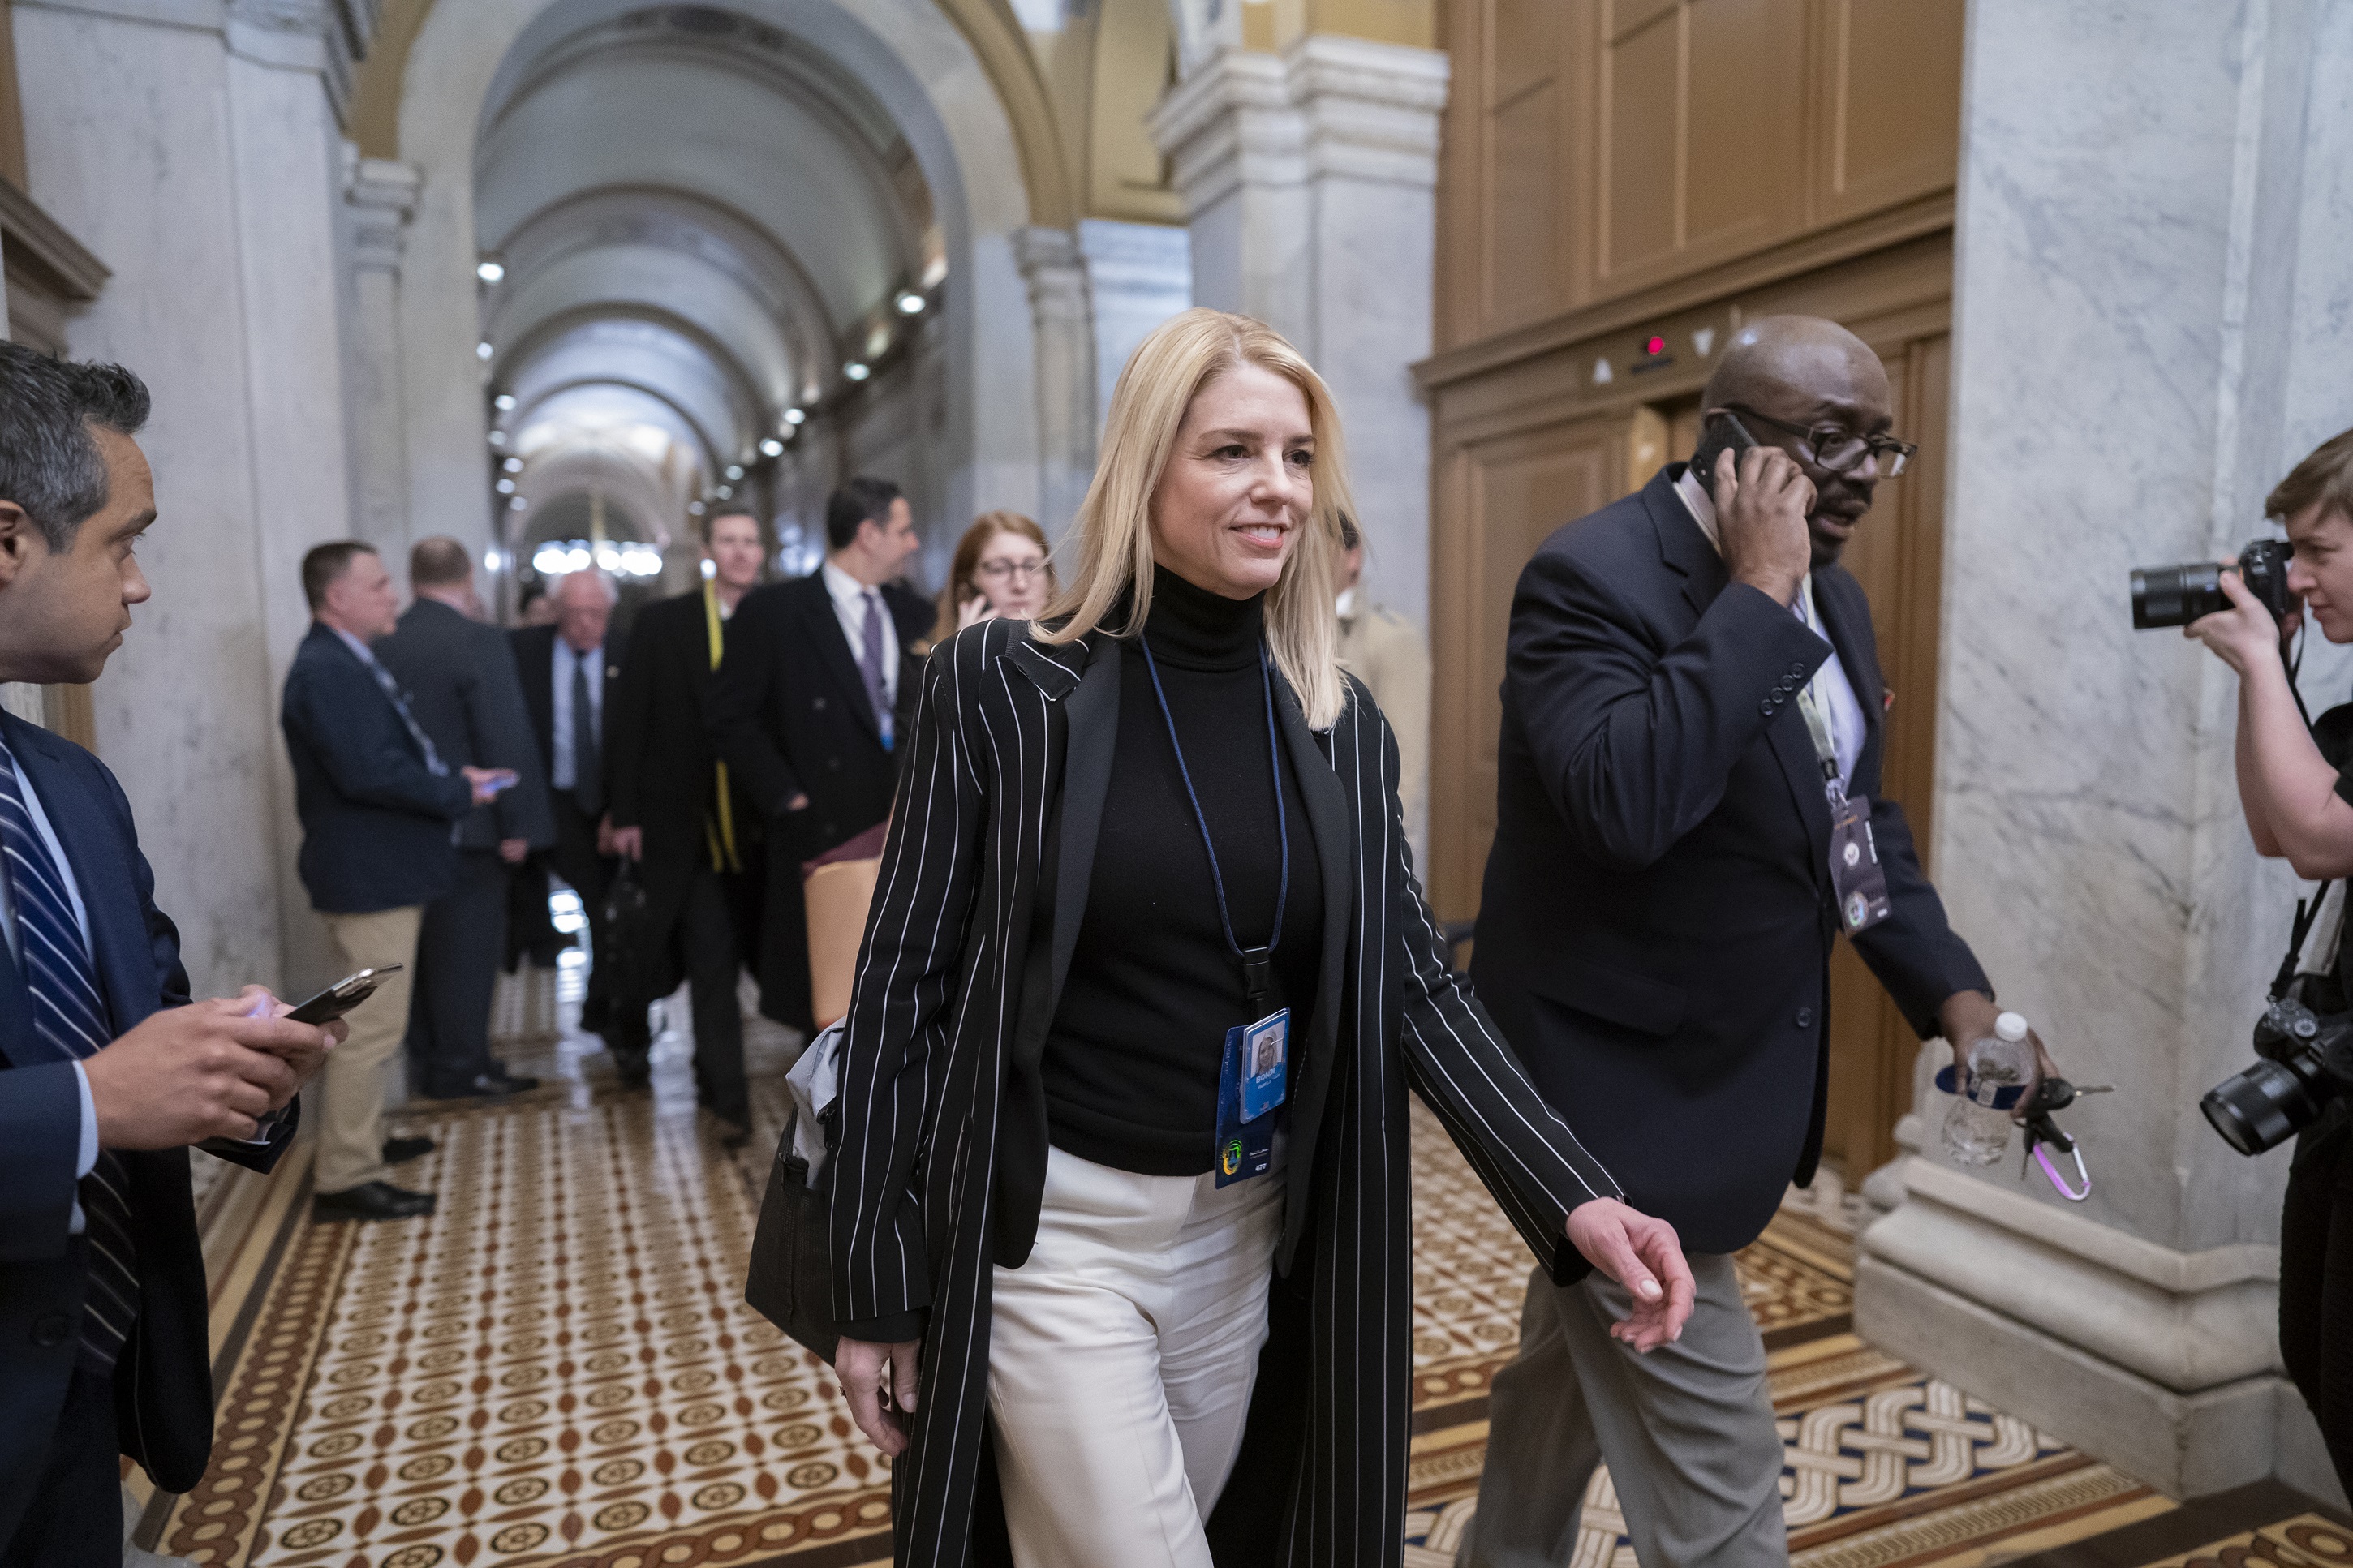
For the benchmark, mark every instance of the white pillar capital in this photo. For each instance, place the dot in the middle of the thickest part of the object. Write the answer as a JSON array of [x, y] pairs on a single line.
[[381, 194], [1054, 267]]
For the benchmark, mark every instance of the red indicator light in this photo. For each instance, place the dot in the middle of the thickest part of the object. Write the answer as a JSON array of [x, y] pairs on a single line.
[[1655, 347]]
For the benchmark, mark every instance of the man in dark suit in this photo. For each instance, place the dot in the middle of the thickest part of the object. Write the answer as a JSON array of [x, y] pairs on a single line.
[[1692, 692], [568, 668], [107, 1074], [462, 687], [804, 711], [676, 812], [380, 806]]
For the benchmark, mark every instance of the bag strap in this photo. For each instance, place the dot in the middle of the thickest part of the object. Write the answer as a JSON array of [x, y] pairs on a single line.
[[2306, 911]]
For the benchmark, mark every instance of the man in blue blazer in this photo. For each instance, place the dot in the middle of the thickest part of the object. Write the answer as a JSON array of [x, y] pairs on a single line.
[[107, 1072], [380, 809], [1691, 700]]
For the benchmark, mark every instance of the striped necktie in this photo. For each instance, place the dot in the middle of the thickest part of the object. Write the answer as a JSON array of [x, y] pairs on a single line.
[[69, 1023]]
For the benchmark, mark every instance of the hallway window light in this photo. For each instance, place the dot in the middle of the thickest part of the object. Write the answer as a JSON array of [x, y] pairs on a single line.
[[911, 303], [505, 486], [505, 402], [483, 348], [734, 471], [490, 270], [772, 448], [794, 415], [855, 370]]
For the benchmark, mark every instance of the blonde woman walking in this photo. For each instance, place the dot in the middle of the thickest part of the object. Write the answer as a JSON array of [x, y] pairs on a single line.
[[1120, 1209]]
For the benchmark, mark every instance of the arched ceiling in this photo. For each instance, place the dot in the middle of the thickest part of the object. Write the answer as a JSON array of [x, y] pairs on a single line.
[[691, 213]]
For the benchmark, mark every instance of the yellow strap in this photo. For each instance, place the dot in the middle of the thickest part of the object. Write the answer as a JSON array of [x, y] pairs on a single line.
[[720, 835]]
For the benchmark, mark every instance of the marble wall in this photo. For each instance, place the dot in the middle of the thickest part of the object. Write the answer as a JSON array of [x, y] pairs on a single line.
[[2154, 267], [1138, 275], [212, 200]]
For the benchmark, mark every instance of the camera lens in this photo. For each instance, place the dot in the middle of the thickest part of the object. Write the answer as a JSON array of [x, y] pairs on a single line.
[[2261, 1108], [2175, 596]]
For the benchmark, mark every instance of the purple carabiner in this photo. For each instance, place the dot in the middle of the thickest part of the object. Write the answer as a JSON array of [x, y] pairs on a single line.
[[2043, 1155]]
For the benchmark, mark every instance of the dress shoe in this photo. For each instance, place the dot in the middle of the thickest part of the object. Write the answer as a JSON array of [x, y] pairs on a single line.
[[485, 1086], [633, 1067], [371, 1200], [732, 1135], [400, 1151]]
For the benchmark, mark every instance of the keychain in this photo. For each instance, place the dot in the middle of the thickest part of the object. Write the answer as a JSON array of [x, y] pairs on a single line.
[[2055, 1094]]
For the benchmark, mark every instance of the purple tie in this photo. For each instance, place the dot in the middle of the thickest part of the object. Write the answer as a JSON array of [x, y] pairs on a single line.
[[869, 662]]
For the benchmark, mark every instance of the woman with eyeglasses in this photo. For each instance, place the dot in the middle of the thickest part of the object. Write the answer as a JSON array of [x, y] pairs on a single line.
[[999, 572], [1120, 1218]]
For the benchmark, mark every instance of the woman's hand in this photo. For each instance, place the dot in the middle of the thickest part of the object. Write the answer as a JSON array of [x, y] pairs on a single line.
[[974, 611], [2244, 636], [880, 1383], [1643, 1255]]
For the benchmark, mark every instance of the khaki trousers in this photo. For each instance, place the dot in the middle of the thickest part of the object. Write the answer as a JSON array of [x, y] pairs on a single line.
[[353, 1083], [1120, 1356]]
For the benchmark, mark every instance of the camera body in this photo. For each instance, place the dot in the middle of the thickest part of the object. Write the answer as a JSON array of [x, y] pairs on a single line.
[[2308, 1061], [2177, 595]]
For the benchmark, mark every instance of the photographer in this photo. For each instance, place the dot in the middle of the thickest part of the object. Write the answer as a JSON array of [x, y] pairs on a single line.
[[2299, 806]]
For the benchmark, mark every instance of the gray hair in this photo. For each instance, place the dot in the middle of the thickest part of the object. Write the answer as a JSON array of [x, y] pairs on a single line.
[[597, 575], [49, 461]]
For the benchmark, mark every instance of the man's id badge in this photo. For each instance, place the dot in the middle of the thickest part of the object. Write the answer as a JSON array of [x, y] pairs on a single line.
[[1856, 875], [1251, 1087]]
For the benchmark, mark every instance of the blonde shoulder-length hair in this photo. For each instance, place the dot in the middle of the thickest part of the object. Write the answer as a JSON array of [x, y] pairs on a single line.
[[1110, 542]]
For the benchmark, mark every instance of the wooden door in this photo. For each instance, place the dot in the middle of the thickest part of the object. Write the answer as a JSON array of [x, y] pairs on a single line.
[[1507, 495]]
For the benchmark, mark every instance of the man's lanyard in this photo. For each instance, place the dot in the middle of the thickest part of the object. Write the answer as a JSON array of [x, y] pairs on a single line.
[[720, 834], [1818, 724], [1258, 962]]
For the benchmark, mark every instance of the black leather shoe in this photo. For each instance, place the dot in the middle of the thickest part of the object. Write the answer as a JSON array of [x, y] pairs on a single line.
[[633, 1067], [371, 1200], [400, 1151], [732, 1135], [485, 1086]]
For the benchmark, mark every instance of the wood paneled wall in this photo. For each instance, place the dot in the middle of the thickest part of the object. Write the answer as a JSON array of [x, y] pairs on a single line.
[[1623, 183]]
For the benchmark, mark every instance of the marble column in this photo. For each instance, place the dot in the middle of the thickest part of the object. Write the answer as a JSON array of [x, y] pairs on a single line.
[[1138, 275], [379, 198], [214, 202], [2154, 305], [1055, 268], [1310, 182]]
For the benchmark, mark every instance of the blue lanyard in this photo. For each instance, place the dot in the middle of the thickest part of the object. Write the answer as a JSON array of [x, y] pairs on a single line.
[[1258, 962]]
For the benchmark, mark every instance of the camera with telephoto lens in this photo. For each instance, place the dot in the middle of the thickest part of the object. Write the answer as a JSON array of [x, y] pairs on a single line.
[[2307, 1062], [2177, 595]]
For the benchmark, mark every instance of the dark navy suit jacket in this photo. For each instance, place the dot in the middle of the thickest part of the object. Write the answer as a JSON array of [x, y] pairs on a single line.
[[1654, 934], [162, 1383], [463, 691], [375, 819]]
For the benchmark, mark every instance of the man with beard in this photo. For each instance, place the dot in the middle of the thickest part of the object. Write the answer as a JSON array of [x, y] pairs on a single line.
[[1691, 741], [679, 816]]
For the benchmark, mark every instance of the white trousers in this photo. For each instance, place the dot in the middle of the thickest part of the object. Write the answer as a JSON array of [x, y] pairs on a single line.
[[1120, 1358]]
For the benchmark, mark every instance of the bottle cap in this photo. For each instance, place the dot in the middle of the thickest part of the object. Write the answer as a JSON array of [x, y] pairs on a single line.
[[2009, 1026]]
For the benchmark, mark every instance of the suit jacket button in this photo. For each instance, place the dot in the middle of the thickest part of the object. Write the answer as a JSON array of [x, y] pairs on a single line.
[[1766, 707], [51, 1329], [1796, 670], [1805, 1019]]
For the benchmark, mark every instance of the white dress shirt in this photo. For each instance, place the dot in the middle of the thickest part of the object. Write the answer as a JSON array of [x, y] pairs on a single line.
[[1832, 693], [85, 1156], [849, 604], [566, 657]]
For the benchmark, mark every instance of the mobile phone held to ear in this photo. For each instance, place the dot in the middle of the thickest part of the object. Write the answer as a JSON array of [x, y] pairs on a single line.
[[1723, 432], [342, 996]]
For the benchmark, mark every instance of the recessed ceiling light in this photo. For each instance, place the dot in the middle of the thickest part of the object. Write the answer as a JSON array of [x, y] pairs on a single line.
[[497, 438], [518, 503], [503, 402], [726, 492], [489, 269], [772, 448], [854, 370], [505, 486], [794, 415], [735, 470], [483, 349], [694, 508], [513, 465], [911, 303]]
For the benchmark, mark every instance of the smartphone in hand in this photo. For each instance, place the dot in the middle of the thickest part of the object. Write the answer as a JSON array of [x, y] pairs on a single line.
[[342, 996], [1723, 432]]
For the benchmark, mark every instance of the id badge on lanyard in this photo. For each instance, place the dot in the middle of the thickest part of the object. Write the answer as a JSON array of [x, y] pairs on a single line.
[[1253, 1075], [1858, 880]]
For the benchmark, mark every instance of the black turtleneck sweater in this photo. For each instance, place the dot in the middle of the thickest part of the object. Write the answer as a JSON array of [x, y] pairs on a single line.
[[1132, 1059]]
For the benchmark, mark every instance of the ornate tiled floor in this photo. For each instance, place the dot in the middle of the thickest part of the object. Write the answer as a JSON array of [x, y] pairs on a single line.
[[559, 1369]]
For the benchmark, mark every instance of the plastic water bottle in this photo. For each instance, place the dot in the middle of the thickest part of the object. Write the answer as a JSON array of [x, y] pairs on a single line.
[[1974, 1132]]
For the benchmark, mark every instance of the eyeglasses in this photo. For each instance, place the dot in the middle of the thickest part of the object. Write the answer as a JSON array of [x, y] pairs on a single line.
[[1837, 449], [998, 571]]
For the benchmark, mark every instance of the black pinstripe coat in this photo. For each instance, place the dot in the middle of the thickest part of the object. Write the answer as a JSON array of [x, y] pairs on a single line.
[[942, 1156]]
